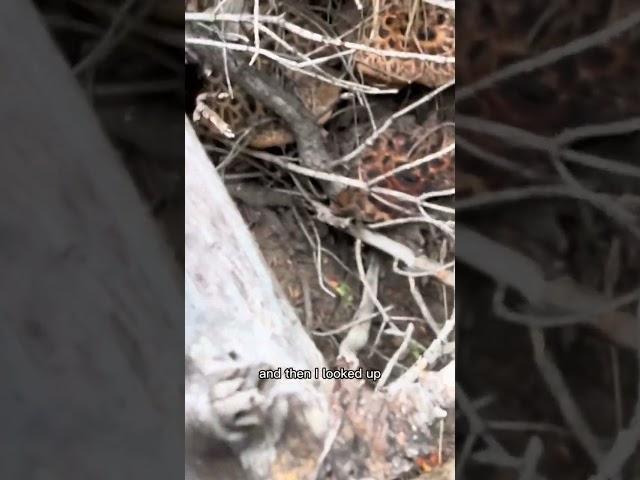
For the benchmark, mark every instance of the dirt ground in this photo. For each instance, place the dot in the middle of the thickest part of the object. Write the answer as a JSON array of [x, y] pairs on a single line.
[[327, 309]]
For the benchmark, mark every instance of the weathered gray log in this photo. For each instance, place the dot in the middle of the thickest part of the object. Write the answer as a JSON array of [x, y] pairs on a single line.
[[236, 289], [238, 321], [89, 294]]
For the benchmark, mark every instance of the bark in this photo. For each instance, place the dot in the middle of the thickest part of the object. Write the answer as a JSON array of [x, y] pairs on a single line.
[[238, 322], [223, 262]]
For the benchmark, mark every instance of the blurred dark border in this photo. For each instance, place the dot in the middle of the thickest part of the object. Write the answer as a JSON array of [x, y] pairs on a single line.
[[548, 265], [92, 242]]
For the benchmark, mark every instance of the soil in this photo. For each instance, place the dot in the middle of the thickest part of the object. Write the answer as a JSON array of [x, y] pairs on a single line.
[[292, 260]]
